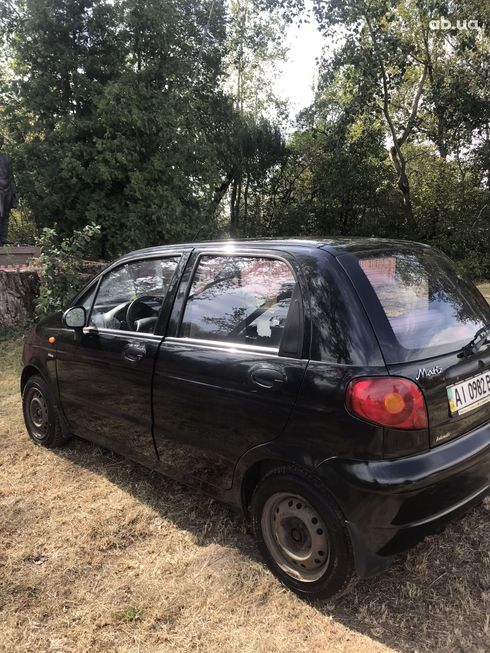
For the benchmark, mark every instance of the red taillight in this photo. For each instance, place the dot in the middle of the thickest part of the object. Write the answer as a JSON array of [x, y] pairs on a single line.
[[389, 401]]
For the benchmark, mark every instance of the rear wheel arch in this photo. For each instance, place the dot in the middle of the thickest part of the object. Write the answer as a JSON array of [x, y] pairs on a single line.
[[259, 470], [252, 477]]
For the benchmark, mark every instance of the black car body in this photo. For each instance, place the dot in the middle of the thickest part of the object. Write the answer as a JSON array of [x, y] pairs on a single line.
[[239, 366]]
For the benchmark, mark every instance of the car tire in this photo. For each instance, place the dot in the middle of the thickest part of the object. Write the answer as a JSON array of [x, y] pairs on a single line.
[[41, 414], [301, 533]]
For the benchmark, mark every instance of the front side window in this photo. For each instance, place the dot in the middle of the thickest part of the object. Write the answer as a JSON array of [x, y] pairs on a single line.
[[130, 296], [243, 300], [87, 299]]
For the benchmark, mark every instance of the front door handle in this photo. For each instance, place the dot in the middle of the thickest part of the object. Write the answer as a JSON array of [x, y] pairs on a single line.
[[267, 377], [134, 353]]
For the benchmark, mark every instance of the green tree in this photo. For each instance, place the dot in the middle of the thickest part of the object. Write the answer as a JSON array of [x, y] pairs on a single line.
[[426, 93], [254, 48], [113, 111], [335, 179], [253, 142]]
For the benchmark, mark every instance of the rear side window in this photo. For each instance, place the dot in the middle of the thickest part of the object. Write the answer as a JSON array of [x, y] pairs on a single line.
[[241, 300], [430, 309]]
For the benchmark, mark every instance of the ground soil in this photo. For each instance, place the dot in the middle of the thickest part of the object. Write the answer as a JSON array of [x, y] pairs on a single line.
[[98, 554]]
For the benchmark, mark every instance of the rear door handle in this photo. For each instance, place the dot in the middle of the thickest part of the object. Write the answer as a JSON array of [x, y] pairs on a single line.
[[267, 377]]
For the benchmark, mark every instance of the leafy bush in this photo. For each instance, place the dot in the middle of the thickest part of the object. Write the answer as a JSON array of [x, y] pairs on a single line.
[[60, 265], [22, 229]]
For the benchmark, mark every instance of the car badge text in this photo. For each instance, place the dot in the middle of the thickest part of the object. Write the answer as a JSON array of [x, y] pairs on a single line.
[[433, 371]]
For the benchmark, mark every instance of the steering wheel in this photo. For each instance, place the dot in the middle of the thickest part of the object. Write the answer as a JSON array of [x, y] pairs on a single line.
[[137, 309]]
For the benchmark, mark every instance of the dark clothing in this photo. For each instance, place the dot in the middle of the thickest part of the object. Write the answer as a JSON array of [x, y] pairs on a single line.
[[8, 195], [4, 219]]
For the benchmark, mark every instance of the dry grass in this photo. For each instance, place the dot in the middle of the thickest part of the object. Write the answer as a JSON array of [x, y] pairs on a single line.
[[98, 554]]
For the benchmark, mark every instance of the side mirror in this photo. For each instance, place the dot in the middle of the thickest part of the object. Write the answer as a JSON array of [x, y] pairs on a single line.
[[75, 317]]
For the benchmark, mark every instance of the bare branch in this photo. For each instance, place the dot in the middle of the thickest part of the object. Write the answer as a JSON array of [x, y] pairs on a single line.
[[415, 107], [384, 78]]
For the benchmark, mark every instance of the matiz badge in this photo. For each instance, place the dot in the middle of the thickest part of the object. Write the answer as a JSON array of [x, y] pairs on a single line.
[[423, 372]]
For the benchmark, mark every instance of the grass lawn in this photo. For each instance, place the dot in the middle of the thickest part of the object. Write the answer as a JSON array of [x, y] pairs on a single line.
[[100, 555]]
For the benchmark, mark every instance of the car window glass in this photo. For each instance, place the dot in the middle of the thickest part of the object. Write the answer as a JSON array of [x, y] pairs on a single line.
[[239, 299], [87, 299], [130, 296], [428, 305]]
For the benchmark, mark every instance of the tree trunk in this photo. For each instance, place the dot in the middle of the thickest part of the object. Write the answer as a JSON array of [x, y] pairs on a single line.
[[18, 293], [396, 154], [237, 206], [233, 224], [235, 200], [220, 191], [245, 200], [400, 166]]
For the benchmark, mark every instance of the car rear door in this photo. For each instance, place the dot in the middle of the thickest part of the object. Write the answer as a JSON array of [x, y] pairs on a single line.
[[228, 373], [424, 313]]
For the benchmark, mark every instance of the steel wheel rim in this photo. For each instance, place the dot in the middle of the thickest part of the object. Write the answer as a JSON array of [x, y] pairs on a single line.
[[296, 536], [37, 411]]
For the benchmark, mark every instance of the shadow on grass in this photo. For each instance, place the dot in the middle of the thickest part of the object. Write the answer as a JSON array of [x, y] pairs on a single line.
[[434, 599]]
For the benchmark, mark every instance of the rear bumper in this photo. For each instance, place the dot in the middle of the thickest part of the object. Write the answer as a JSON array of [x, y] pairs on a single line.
[[391, 505]]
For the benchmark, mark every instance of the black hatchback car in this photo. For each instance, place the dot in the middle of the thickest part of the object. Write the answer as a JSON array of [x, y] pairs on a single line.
[[338, 392]]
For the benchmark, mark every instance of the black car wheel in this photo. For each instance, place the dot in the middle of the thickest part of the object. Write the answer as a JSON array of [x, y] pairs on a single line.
[[301, 533], [40, 414]]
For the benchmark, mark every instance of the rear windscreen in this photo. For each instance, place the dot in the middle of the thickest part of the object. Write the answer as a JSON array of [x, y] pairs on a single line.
[[429, 307]]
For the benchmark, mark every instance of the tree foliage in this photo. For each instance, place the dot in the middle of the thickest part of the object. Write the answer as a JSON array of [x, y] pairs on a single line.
[[156, 120], [115, 115], [420, 97]]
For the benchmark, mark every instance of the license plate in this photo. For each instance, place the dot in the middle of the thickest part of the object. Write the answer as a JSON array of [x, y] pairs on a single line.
[[469, 394]]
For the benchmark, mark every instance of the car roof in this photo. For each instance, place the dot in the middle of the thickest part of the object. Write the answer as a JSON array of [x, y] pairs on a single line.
[[335, 246]]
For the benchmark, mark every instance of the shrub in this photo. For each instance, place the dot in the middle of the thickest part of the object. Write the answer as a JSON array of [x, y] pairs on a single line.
[[22, 229], [60, 266]]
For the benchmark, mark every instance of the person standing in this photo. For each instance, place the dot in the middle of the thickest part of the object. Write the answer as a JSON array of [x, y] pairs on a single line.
[[8, 194]]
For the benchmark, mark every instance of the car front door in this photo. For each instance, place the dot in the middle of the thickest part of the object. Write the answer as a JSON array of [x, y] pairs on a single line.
[[227, 376], [104, 373]]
